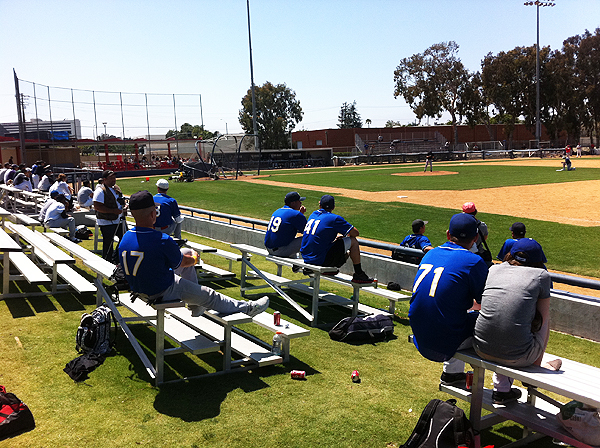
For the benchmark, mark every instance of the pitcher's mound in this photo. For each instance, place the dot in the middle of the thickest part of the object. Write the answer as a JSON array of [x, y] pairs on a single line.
[[426, 173]]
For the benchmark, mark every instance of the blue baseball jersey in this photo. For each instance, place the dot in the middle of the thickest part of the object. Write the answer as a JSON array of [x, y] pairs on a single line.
[[319, 234], [448, 280], [505, 249], [148, 258], [168, 210], [416, 241], [283, 227]]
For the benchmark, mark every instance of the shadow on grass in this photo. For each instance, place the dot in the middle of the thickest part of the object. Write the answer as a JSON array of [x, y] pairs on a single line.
[[195, 399], [509, 433]]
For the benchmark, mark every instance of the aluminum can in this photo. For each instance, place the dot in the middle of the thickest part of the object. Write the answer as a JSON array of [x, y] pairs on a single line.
[[469, 380], [355, 376], [298, 374], [277, 318]]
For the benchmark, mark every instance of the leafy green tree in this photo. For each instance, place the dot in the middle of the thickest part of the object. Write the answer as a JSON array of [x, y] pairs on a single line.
[[349, 117], [368, 122], [277, 113], [187, 131], [587, 64], [433, 82], [392, 124]]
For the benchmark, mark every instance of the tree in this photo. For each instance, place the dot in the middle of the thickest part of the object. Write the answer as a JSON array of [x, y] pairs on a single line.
[[432, 82], [349, 117], [368, 122], [187, 131], [277, 113]]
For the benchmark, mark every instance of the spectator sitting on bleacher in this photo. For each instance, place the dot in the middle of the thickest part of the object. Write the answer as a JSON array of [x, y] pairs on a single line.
[[63, 187], [286, 222], [321, 245], [10, 173], [45, 181], [518, 231], [447, 288], [85, 195], [56, 216], [22, 180], [514, 322], [169, 217], [47, 204], [158, 270], [3, 171], [417, 240]]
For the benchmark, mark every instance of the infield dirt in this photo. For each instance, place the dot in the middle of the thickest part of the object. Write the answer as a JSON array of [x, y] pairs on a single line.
[[568, 203]]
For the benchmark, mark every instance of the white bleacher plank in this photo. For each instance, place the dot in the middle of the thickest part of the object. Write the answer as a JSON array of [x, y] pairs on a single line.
[[200, 247], [228, 255], [28, 268], [391, 295], [289, 329], [188, 338], [215, 271], [239, 344], [75, 279], [251, 249]]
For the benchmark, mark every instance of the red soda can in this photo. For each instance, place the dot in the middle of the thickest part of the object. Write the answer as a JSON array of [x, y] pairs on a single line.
[[277, 318], [298, 374], [469, 380], [355, 376]]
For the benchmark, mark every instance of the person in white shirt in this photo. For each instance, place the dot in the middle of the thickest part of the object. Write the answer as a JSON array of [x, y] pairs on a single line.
[[47, 204], [109, 206], [22, 181], [85, 195], [62, 186], [56, 216], [45, 182]]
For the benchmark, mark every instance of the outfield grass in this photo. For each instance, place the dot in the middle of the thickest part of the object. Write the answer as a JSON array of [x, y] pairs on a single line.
[[567, 247], [470, 177], [118, 406]]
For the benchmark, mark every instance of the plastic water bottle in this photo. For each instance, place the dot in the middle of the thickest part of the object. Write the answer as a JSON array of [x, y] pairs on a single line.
[[277, 343]]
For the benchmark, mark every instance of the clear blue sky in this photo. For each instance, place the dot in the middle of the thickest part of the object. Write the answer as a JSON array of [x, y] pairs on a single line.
[[327, 51]]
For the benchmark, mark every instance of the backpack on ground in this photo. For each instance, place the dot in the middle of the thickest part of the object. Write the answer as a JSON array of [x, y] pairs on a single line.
[[82, 232], [95, 333], [363, 329], [15, 416], [442, 425]]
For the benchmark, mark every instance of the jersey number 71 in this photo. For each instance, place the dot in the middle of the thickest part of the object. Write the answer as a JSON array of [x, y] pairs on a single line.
[[437, 273]]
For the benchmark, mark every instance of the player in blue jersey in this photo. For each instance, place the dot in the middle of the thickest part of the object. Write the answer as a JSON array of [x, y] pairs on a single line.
[[159, 271], [321, 245], [285, 223], [448, 284], [518, 231], [169, 217], [417, 240]]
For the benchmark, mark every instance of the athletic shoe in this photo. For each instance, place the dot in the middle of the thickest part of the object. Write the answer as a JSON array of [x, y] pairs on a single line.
[[257, 306], [453, 379], [307, 271], [506, 397], [296, 268], [362, 278], [76, 240]]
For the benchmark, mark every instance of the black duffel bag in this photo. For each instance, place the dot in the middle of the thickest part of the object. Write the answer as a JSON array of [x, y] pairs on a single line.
[[363, 329]]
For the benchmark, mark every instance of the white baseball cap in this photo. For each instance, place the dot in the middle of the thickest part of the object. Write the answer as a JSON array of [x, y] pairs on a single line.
[[163, 184]]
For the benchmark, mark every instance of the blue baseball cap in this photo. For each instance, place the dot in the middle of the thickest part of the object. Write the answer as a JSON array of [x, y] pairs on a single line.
[[293, 196], [531, 251], [463, 225], [327, 202]]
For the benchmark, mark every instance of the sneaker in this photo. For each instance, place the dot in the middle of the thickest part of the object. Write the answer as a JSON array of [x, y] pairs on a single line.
[[506, 397], [257, 306], [296, 268], [453, 379], [362, 278], [307, 271], [76, 240], [330, 273]]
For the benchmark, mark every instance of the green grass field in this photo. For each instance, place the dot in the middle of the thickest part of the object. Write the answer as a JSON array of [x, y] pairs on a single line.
[[390, 222], [118, 406]]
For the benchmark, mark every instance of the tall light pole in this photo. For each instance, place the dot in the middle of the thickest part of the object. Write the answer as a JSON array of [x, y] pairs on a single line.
[[104, 123], [538, 125], [254, 129]]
